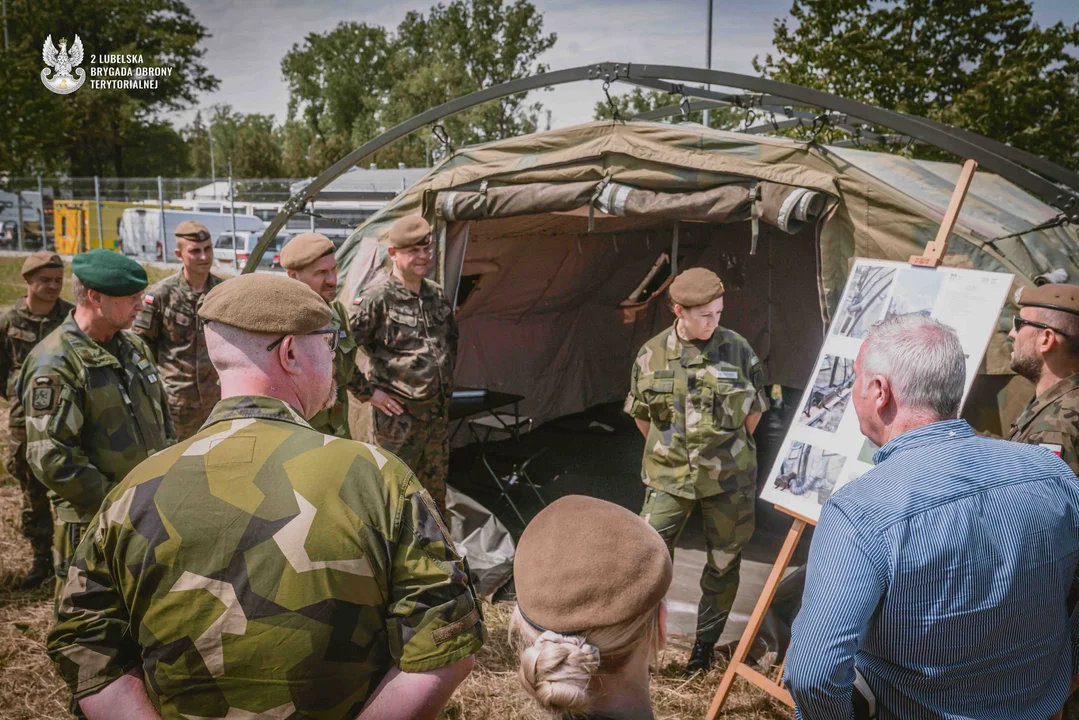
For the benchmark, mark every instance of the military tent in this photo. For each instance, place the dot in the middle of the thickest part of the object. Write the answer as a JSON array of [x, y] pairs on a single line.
[[558, 246]]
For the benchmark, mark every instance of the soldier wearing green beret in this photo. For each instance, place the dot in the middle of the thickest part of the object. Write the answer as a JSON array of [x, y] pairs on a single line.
[[262, 568], [310, 259], [1045, 350], [34, 316], [169, 325], [697, 392], [405, 326], [94, 402]]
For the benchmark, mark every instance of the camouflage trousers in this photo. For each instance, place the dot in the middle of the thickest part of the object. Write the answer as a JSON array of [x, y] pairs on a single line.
[[36, 508], [65, 539], [188, 417], [728, 526], [420, 437]]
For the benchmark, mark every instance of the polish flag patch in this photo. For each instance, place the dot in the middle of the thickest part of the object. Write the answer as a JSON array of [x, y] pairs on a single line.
[[148, 299], [356, 301], [1057, 450]]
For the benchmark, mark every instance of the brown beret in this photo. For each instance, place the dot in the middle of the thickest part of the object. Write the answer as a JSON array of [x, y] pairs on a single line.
[[266, 303], [408, 231], [1056, 296], [302, 250], [40, 259], [585, 563], [192, 230], [696, 286]]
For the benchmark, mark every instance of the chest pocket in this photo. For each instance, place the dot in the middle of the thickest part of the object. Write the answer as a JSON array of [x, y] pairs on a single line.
[[22, 335], [403, 329], [659, 395], [731, 401], [178, 325]]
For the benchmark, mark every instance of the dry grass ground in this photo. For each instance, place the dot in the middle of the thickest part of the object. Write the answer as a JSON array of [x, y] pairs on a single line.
[[31, 690]]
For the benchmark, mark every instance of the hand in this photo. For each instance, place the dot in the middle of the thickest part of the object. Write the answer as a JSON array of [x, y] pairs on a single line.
[[386, 404]]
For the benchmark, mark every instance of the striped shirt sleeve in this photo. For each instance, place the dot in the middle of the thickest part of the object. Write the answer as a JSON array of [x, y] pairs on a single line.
[[844, 586]]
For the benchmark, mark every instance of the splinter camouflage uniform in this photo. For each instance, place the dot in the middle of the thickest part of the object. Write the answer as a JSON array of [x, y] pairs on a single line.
[[262, 568], [20, 331], [1052, 421], [335, 420], [91, 418], [697, 397], [411, 341], [169, 325]]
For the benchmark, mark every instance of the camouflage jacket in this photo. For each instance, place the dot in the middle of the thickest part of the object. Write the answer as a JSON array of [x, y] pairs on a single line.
[[411, 340], [1052, 421], [169, 325], [20, 331], [257, 569], [335, 420], [91, 417], [697, 399]]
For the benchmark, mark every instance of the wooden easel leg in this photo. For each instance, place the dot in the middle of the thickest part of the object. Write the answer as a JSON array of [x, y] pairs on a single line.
[[755, 620]]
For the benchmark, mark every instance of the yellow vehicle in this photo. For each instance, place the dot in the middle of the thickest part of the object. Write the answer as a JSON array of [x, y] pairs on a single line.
[[76, 226]]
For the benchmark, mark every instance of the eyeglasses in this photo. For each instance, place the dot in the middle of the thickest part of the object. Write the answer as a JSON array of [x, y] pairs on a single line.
[[1018, 323], [334, 337]]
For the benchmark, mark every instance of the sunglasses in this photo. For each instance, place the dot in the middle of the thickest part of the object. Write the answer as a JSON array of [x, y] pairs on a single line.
[[333, 337], [1018, 323]]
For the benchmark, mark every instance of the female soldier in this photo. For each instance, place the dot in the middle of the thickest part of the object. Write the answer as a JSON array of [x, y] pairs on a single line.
[[590, 578], [697, 393]]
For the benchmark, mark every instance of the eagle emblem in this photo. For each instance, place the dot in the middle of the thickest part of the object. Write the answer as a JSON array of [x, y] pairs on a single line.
[[63, 62]]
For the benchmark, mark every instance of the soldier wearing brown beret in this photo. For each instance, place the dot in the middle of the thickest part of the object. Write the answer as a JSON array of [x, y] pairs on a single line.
[[1045, 350], [697, 392], [168, 323], [590, 579], [309, 258], [34, 316], [405, 326]]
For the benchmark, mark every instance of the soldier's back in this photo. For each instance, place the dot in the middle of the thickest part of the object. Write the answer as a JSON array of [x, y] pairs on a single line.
[[265, 567]]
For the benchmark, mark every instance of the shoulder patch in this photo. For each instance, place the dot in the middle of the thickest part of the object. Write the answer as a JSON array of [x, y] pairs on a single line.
[[45, 393], [1055, 448], [356, 301]]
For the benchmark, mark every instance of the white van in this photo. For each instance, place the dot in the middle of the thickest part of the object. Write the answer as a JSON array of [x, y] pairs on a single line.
[[245, 244], [141, 236]]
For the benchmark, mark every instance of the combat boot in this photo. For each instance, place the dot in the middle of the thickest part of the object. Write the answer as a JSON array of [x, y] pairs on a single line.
[[40, 572], [700, 659]]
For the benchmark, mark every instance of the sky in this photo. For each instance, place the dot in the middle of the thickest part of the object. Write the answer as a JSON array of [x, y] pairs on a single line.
[[249, 39]]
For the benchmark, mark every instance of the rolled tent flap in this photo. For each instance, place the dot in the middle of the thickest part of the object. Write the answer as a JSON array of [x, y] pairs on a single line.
[[782, 206]]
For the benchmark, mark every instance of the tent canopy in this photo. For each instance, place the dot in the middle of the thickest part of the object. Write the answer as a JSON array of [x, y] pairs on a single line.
[[558, 245]]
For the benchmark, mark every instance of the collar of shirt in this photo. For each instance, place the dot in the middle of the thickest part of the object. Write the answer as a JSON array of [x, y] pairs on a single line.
[[925, 435], [93, 353], [256, 407], [401, 288], [1054, 393], [689, 353]]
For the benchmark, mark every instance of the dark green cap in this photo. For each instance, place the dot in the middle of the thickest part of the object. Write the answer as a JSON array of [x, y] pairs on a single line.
[[109, 272]]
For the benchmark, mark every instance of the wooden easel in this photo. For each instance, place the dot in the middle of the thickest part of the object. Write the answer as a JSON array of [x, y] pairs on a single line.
[[931, 257]]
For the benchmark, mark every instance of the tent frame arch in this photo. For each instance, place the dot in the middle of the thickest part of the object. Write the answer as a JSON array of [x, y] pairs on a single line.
[[1055, 185]]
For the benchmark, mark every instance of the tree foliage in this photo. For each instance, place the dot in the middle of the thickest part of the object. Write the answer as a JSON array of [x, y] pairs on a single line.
[[639, 101], [981, 65]]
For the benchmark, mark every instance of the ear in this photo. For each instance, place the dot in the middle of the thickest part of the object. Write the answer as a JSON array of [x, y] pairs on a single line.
[[287, 356], [1047, 340], [884, 388], [291, 274], [176, 251], [679, 311]]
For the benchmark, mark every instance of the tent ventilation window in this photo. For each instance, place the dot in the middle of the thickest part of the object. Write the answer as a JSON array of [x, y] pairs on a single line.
[[654, 283]]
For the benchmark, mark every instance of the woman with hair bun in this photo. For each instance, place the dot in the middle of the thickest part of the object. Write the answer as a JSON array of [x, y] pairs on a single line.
[[590, 617]]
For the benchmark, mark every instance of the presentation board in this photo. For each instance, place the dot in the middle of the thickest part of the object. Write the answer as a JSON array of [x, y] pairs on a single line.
[[824, 449]]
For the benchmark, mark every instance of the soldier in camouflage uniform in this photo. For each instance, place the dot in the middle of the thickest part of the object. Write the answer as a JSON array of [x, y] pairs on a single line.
[[95, 405], [170, 327], [34, 316], [1045, 338], [405, 325], [697, 392], [262, 568], [309, 258]]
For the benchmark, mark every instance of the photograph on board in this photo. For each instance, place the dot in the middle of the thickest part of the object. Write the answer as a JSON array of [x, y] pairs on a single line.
[[916, 291], [866, 300], [827, 400], [809, 471]]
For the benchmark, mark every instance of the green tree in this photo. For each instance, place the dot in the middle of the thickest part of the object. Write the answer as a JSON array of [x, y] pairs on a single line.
[[981, 65], [639, 101], [97, 131]]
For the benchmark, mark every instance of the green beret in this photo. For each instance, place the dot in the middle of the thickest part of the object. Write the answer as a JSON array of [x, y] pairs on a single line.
[[408, 231], [1056, 296], [266, 303], [302, 250], [40, 259], [109, 272], [696, 286], [585, 563]]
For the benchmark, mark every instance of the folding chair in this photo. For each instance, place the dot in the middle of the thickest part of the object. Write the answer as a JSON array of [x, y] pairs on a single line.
[[509, 470], [499, 423]]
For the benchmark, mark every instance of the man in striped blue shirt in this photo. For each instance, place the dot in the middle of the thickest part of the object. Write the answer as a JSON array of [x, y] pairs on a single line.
[[942, 573]]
